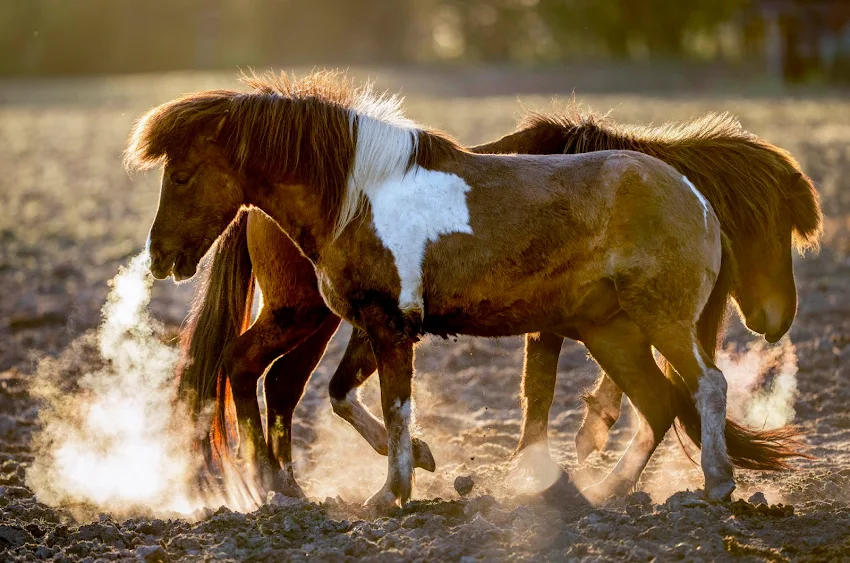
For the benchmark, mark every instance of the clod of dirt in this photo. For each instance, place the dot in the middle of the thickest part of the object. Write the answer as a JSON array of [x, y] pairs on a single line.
[[150, 553], [743, 508], [757, 499], [279, 500], [464, 485], [637, 503], [13, 536], [685, 500], [735, 547]]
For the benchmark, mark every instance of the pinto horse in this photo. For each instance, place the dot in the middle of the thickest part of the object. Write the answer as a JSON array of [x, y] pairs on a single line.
[[409, 233], [763, 200]]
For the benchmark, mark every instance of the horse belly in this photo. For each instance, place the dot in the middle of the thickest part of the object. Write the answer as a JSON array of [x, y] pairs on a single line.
[[485, 319], [559, 308]]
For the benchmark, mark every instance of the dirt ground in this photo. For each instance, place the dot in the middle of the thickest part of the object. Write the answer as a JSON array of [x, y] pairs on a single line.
[[70, 215]]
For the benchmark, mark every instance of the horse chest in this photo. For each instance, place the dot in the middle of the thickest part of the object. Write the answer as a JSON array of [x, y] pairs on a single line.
[[410, 211]]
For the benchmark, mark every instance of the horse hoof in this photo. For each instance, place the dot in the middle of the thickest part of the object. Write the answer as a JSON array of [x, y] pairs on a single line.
[[597, 495], [266, 475], [285, 484], [382, 501], [720, 491], [422, 456], [533, 470]]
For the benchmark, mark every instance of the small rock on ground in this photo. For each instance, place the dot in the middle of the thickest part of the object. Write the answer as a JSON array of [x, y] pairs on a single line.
[[464, 485]]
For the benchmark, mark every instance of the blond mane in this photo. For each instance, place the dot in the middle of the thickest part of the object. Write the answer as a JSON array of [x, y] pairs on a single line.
[[749, 183]]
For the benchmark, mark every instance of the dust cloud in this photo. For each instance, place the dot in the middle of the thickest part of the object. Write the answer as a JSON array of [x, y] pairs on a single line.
[[762, 383], [117, 440]]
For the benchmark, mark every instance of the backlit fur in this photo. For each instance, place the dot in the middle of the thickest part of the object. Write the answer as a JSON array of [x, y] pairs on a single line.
[[766, 179]]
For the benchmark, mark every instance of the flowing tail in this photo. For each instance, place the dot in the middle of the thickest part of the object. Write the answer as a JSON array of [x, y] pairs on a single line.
[[221, 311], [747, 448]]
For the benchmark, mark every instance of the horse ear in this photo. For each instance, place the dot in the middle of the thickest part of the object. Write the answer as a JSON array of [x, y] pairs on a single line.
[[798, 182], [217, 131]]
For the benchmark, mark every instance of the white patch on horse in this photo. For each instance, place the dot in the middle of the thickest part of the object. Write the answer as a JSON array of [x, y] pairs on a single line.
[[411, 206], [384, 141], [400, 444], [701, 199], [409, 212], [711, 404]]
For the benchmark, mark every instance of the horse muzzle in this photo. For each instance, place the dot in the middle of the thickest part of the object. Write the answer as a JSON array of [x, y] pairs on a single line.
[[160, 264], [775, 336], [184, 268], [160, 271], [181, 266], [771, 328]]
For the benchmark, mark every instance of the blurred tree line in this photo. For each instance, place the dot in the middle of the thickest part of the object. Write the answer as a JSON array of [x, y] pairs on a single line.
[[102, 36]]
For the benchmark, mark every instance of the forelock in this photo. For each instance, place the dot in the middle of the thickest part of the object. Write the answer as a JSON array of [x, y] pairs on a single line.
[[169, 129]]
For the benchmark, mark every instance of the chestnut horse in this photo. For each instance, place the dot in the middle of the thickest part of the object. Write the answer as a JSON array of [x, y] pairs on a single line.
[[763, 200], [409, 233]]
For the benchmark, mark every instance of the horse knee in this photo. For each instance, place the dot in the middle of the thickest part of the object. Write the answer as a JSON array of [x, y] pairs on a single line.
[[340, 401], [338, 389]]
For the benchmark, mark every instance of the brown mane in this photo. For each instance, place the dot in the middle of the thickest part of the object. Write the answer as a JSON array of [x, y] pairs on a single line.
[[285, 126], [764, 177]]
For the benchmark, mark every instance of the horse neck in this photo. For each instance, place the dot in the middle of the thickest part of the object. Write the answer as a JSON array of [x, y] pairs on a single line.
[[296, 209], [540, 139]]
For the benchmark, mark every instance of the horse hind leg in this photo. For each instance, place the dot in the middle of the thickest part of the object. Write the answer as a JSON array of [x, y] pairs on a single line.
[[621, 349], [534, 469], [678, 342], [284, 386], [707, 385], [601, 411], [357, 365]]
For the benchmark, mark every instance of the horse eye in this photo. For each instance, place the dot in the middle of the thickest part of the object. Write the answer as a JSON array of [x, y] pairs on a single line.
[[180, 180]]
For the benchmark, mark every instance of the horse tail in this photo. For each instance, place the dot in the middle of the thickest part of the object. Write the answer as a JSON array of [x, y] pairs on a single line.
[[747, 448], [221, 311]]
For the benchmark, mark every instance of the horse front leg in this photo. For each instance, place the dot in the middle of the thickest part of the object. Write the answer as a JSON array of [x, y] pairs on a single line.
[[245, 360], [284, 386], [357, 365], [394, 354], [273, 334]]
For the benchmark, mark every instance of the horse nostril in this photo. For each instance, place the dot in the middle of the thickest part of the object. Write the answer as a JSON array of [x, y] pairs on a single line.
[[155, 250]]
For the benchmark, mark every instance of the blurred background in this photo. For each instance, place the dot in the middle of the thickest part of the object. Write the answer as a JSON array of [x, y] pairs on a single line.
[[74, 74], [784, 40]]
